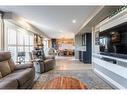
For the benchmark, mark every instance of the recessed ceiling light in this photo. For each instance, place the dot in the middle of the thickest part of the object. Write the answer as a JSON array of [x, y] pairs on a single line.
[[61, 31], [73, 21], [28, 29]]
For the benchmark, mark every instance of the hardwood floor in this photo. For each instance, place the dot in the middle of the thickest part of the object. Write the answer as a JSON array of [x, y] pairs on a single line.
[[64, 83]]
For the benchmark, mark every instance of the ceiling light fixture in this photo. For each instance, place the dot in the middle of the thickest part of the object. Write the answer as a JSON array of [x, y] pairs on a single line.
[[73, 21], [61, 31]]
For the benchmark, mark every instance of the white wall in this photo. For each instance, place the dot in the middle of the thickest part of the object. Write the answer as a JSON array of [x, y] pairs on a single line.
[[66, 46]]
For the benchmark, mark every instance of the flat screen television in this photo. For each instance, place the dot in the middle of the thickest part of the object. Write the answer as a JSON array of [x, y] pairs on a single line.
[[114, 40]]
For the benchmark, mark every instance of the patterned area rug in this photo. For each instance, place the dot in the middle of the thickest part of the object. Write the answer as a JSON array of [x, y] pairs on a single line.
[[85, 76]]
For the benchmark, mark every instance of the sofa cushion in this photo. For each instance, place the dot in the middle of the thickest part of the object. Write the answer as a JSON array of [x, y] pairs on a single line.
[[49, 64], [50, 57], [5, 68], [8, 84], [23, 66], [5, 56], [49, 61], [0, 75], [12, 65], [22, 76]]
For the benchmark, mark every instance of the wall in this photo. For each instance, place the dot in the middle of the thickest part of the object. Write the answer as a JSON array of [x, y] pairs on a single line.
[[65, 44]]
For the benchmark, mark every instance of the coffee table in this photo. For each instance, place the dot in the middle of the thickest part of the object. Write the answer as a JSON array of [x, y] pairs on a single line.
[[64, 83]]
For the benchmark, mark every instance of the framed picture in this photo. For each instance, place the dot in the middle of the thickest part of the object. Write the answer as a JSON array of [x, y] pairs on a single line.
[[83, 40]]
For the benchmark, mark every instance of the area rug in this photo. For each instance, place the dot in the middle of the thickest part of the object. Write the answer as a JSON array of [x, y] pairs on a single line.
[[85, 76]]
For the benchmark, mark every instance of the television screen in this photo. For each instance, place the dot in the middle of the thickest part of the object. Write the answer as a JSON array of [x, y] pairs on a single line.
[[114, 40], [115, 37]]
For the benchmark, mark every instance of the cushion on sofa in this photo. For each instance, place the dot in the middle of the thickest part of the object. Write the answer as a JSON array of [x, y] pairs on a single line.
[[5, 56], [22, 76], [5, 68], [12, 65], [23, 66], [0, 75], [8, 84], [48, 61], [50, 57]]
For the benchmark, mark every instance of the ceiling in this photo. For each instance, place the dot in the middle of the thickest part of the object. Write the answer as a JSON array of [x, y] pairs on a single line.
[[100, 16], [55, 21]]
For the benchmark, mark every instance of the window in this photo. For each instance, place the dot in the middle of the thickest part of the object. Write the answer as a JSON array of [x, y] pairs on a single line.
[[11, 37], [19, 41]]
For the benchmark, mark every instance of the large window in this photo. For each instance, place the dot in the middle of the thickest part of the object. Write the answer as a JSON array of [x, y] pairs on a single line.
[[19, 40]]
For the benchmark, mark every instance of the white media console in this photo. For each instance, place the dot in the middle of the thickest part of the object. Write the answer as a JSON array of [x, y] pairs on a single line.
[[110, 68]]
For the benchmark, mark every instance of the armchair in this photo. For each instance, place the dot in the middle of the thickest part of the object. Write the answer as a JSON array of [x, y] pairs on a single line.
[[42, 63]]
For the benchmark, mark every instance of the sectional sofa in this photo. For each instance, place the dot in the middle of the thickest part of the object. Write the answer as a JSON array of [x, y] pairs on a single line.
[[12, 76]]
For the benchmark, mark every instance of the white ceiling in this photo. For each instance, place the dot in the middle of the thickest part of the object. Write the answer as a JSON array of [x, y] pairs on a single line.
[[53, 19]]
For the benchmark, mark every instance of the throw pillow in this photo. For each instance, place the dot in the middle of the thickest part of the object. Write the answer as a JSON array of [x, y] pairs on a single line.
[[0, 75], [12, 65], [4, 68]]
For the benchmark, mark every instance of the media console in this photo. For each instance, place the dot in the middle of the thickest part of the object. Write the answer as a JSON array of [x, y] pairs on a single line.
[[114, 55], [112, 67]]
